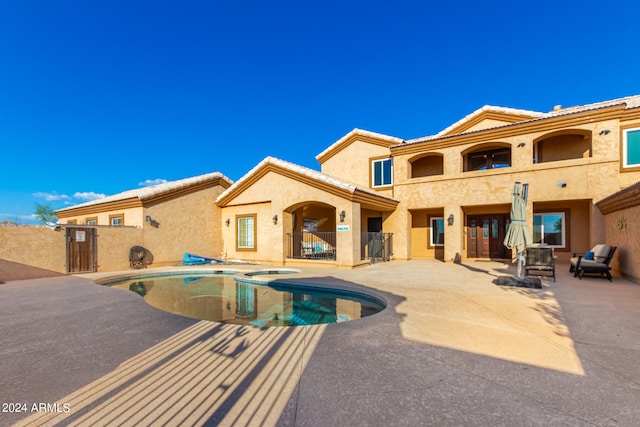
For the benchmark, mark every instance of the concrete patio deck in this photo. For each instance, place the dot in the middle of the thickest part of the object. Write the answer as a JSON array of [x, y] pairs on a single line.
[[452, 348]]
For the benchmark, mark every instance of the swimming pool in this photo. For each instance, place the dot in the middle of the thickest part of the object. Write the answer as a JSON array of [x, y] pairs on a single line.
[[222, 298]]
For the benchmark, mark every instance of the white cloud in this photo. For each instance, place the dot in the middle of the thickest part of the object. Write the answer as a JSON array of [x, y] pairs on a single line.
[[150, 182], [88, 195], [51, 197]]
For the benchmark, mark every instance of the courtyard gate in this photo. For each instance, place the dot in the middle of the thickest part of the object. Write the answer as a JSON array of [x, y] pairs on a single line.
[[82, 250]]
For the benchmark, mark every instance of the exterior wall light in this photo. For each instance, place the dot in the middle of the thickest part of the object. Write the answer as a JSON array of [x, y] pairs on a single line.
[[522, 144], [147, 219], [605, 132], [275, 219], [342, 215], [450, 219], [227, 221]]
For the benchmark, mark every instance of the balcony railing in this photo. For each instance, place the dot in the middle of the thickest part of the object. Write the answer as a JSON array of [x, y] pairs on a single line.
[[312, 245]]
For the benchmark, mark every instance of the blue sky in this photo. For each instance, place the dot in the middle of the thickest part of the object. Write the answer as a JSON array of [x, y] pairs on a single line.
[[98, 97]]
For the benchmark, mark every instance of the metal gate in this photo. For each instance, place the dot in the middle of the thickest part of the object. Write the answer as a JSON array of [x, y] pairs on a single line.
[[376, 246], [82, 250]]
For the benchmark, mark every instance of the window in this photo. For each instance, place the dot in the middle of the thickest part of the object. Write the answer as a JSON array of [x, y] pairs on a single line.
[[381, 173], [549, 228], [72, 221], [631, 148], [310, 225], [489, 159], [116, 220], [92, 221], [246, 237], [437, 231]]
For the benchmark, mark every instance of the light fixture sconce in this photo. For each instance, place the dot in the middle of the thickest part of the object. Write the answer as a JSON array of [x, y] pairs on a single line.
[[342, 215], [522, 144], [227, 221], [147, 219], [562, 184], [450, 219], [605, 132], [275, 219]]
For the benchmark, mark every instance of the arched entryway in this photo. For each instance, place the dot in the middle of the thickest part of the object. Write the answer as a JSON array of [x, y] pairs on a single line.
[[311, 231]]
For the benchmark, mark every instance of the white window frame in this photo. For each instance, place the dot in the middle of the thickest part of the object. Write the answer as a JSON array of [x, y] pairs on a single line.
[[431, 233], [564, 228], [248, 242], [116, 221], [373, 172], [625, 148]]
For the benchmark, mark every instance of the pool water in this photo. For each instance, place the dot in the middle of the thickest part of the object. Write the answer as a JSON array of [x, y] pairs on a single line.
[[221, 298]]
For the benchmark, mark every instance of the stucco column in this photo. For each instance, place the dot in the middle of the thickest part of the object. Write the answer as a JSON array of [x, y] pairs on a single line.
[[453, 234], [598, 227], [348, 235], [399, 223]]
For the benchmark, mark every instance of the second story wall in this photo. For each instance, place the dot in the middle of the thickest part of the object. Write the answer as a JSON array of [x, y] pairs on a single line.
[[358, 156]]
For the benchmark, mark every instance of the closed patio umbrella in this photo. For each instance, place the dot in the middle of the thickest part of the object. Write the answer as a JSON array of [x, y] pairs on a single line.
[[518, 236]]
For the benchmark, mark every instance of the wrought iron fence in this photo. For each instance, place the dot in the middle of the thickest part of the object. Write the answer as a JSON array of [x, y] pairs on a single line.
[[376, 246], [312, 245]]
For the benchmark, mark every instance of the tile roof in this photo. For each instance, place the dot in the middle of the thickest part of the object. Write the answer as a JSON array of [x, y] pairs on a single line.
[[360, 132], [313, 174], [152, 190], [491, 108], [629, 102]]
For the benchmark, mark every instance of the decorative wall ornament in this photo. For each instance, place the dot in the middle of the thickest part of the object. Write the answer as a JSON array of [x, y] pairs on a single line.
[[622, 223]]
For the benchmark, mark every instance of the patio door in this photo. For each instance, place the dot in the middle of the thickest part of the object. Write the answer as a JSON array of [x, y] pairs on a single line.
[[81, 250], [485, 236]]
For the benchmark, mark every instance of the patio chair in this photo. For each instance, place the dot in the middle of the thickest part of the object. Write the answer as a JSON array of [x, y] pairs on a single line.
[[540, 262], [594, 262]]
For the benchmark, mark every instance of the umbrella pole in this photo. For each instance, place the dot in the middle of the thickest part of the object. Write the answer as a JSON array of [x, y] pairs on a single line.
[[520, 259]]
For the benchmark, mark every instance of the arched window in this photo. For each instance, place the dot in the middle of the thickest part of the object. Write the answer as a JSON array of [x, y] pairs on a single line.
[[429, 165], [487, 156], [562, 145]]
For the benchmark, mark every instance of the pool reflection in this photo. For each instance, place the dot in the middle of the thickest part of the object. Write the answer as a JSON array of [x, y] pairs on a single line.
[[221, 298]]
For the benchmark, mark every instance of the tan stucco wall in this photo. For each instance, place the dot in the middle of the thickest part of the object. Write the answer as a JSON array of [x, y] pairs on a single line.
[[587, 179], [36, 246], [420, 232], [114, 244], [45, 248], [352, 164], [190, 223], [275, 194], [621, 228], [621, 219]]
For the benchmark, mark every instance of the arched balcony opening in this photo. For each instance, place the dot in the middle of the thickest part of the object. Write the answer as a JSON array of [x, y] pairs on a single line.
[[562, 145], [487, 156], [426, 165]]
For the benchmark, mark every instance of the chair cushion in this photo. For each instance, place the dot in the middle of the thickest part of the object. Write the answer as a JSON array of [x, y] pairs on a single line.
[[589, 256], [600, 252], [590, 264]]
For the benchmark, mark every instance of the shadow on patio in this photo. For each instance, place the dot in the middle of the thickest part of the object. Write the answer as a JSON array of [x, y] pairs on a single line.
[[208, 373]]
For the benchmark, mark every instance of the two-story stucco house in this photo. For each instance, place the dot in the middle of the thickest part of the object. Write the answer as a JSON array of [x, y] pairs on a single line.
[[444, 196]]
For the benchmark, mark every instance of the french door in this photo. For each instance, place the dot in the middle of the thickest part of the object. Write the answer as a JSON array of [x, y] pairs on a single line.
[[485, 235]]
